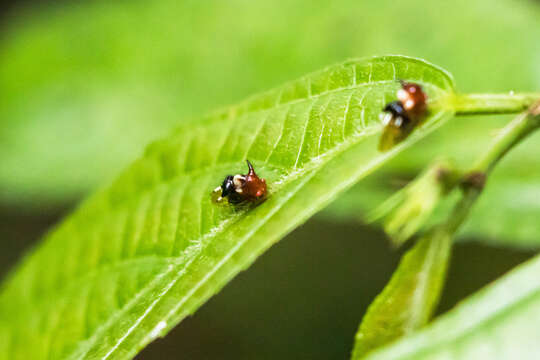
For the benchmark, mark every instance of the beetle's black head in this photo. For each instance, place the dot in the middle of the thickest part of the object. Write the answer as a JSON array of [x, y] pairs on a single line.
[[227, 187], [395, 108], [398, 111]]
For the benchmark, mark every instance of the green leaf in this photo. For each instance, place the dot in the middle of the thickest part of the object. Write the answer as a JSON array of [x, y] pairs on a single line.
[[499, 322], [72, 116], [141, 255], [83, 85], [409, 299]]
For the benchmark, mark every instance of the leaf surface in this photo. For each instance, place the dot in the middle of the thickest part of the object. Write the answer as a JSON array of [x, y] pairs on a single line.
[[142, 254], [499, 322], [80, 83], [409, 299], [72, 116]]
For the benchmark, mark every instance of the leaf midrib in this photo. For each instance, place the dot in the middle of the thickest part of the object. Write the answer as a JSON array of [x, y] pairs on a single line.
[[43, 301], [230, 112], [204, 124], [286, 179], [289, 176], [181, 272], [313, 165], [420, 298]]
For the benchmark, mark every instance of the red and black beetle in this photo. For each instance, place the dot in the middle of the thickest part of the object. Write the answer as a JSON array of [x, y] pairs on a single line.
[[401, 117], [242, 188]]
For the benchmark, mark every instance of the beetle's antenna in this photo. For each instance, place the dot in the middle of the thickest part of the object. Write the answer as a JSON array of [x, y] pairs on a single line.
[[251, 171]]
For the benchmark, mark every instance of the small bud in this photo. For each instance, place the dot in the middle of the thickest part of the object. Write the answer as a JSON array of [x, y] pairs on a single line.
[[408, 210]]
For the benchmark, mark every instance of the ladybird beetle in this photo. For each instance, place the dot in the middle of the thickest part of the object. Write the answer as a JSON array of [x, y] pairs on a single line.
[[242, 188], [402, 116]]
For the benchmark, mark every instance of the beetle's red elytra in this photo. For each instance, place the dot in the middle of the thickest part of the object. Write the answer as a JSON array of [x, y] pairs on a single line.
[[413, 99], [242, 188]]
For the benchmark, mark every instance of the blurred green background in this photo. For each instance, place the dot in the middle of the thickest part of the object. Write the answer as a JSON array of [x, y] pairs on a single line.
[[84, 86]]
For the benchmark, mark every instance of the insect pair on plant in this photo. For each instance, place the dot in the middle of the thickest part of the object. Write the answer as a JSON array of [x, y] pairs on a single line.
[[399, 117]]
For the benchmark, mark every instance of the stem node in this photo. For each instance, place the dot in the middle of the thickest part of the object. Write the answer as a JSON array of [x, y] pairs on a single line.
[[474, 180]]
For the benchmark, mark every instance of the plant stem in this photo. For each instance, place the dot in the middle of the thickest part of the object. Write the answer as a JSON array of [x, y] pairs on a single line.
[[478, 104], [511, 135], [461, 211], [377, 330], [424, 266], [522, 126]]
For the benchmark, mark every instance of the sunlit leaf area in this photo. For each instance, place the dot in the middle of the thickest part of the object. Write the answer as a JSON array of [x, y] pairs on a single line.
[[269, 180]]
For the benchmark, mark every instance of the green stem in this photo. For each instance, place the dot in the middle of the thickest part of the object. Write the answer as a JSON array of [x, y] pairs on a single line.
[[423, 269], [478, 104], [511, 135], [522, 126], [461, 211]]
